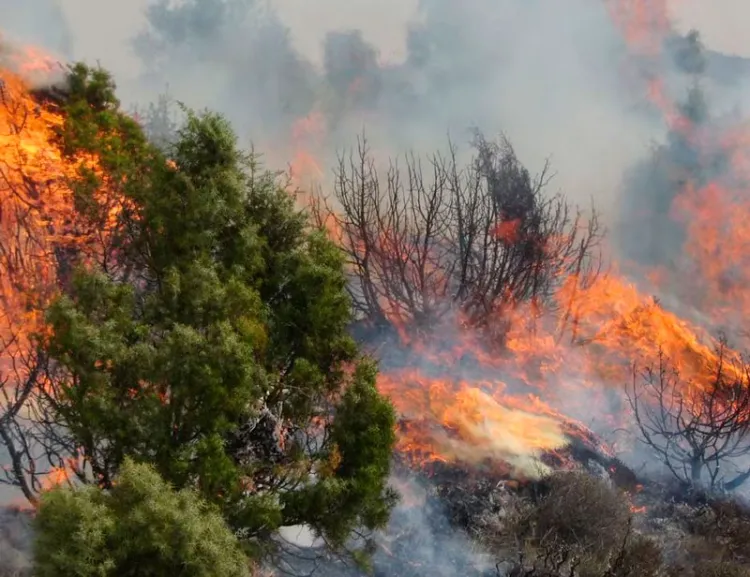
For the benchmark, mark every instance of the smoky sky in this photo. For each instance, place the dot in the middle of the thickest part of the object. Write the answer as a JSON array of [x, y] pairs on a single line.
[[553, 76], [42, 22], [545, 74]]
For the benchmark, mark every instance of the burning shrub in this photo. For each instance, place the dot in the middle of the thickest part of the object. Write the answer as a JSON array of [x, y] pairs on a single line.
[[474, 239]]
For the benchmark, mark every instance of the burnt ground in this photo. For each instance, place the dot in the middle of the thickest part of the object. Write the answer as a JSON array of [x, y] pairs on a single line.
[[447, 509]]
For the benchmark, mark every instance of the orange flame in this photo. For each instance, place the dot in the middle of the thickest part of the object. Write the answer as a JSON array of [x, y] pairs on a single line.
[[40, 228], [307, 135], [572, 359]]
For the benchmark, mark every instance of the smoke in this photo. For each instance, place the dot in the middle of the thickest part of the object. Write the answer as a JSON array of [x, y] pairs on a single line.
[[235, 57], [554, 77], [549, 75], [421, 540], [15, 542], [546, 74], [41, 23]]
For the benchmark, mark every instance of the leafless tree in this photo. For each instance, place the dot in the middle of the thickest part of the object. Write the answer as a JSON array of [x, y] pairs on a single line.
[[696, 428], [21, 372], [435, 238]]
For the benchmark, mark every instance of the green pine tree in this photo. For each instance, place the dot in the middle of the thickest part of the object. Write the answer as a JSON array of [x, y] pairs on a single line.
[[215, 345]]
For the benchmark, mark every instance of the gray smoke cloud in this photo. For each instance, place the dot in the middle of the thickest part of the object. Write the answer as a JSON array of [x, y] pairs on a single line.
[[42, 22], [546, 74], [552, 76], [15, 542]]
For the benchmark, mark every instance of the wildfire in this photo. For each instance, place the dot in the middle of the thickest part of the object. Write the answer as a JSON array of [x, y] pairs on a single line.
[[36, 213], [41, 231], [477, 428], [561, 365], [643, 23], [461, 401], [307, 134]]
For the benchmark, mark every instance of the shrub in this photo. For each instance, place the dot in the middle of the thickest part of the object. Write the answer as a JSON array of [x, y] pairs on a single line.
[[720, 569], [141, 527], [724, 525], [640, 557], [578, 526], [581, 514]]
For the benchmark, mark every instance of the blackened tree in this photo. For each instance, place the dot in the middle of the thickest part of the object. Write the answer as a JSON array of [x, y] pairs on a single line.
[[696, 429], [437, 238]]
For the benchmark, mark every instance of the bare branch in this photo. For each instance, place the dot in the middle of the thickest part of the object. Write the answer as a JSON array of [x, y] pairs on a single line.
[[695, 428], [434, 238]]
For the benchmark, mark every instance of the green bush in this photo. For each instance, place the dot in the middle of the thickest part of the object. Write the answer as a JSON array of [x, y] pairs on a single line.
[[141, 527]]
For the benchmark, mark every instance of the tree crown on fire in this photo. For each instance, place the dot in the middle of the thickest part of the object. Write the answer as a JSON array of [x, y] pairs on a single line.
[[212, 342]]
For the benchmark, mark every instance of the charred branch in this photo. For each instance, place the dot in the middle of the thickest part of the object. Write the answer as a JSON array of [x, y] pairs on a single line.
[[434, 238], [695, 428]]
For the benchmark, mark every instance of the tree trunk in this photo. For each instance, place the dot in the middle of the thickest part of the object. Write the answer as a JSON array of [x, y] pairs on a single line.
[[696, 468]]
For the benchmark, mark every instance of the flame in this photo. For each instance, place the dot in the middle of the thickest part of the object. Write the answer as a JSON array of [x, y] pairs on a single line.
[[56, 477], [643, 24], [35, 208], [38, 218], [477, 427], [41, 232], [308, 134], [563, 363]]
